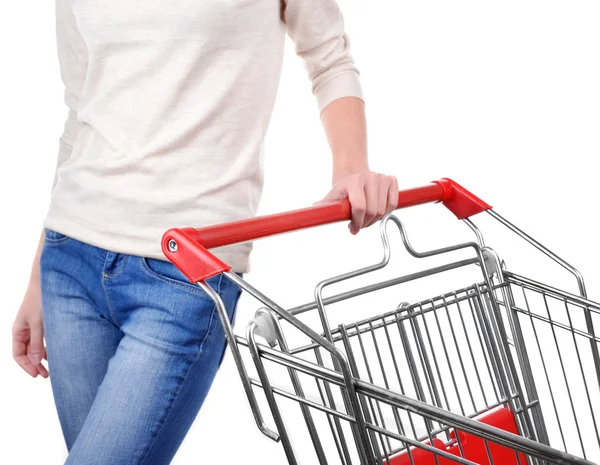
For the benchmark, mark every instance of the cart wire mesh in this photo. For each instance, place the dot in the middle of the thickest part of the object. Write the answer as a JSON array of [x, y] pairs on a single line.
[[501, 370]]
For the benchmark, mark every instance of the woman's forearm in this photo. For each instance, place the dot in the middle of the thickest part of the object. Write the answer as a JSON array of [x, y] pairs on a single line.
[[35, 267], [28, 329], [371, 195], [345, 125]]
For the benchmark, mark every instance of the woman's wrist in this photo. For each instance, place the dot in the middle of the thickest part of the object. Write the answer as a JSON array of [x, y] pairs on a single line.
[[347, 165], [34, 277], [345, 126]]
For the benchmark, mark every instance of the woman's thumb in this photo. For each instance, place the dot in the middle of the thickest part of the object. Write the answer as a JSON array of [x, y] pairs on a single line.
[[334, 195], [35, 350]]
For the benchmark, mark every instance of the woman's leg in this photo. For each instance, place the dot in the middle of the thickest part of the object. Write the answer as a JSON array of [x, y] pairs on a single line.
[[80, 337], [163, 366]]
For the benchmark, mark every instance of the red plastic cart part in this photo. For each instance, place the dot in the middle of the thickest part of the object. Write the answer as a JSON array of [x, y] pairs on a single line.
[[194, 261], [473, 446], [420, 456], [456, 198], [460, 201]]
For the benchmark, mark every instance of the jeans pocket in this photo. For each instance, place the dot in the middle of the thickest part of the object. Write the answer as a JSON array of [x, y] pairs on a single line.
[[167, 272], [54, 237]]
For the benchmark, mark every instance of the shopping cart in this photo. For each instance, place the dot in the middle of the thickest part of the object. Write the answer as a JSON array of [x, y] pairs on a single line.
[[503, 370]]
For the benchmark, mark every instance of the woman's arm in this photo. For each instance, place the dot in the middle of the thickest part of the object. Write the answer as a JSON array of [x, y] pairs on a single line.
[[317, 29], [371, 195], [27, 329]]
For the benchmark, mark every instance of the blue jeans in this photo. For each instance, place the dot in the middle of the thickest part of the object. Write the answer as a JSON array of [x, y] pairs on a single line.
[[132, 347]]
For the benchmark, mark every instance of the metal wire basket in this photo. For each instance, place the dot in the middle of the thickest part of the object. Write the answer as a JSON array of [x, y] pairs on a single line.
[[503, 370]]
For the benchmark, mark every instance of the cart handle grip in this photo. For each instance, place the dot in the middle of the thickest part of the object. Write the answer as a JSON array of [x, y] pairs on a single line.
[[187, 247], [456, 198]]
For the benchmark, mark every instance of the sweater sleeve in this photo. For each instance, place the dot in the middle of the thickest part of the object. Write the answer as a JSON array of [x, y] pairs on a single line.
[[317, 29], [72, 59]]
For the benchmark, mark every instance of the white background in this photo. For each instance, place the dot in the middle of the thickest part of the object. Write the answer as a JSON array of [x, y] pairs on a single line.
[[504, 97]]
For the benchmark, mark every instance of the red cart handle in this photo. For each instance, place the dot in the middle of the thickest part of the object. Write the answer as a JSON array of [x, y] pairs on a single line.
[[186, 247]]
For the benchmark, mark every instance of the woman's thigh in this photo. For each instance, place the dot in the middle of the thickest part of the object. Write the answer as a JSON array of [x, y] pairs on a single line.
[[163, 367], [80, 338]]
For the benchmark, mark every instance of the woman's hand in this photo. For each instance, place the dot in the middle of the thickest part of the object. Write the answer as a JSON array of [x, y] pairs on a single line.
[[28, 333], [371, 195]]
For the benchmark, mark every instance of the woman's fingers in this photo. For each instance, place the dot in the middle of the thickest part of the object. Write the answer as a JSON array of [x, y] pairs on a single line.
[[378, 193], [28, 346], [392, 195], [35, 349], [20, 351], [358, 203], [28, 332], [381, 197], [372, 200], [371, 196], [42, 370]]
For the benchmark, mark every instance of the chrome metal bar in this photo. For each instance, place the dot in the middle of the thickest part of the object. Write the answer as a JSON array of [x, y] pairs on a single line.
[[365, 404], [310, 424], [268, 390], [504, 355], [468, 425], [436, 452], [445, 429], [398, 377], [305, 401], [476, 230], [341, 448], [571, 269], [520, 346], [543, 359], [489, 454], [486, 355], [361, 440], [412, 362], [445, 350], [382, 285], [557, 324], [453, 420], [475, 365], [390, 314], [424, 350], [309, 403], [328, 398], [237, 357], [538, 286], [383, 373], [459, 355], [585, 383], [565, 377], [525, 427], [301, 365], [497, 324], [492, 349]]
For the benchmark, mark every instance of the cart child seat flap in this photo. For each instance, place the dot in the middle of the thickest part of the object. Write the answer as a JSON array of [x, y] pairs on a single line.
[[473, 447]]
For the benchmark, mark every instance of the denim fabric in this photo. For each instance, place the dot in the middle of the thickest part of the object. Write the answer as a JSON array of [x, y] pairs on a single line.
[[132, 347]]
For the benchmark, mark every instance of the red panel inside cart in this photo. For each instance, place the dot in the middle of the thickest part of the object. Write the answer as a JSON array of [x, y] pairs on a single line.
[[420, 456], [473, 447]]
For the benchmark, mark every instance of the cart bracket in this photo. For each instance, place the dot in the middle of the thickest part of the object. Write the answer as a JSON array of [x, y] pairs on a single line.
[[192, 259], [459, 200]]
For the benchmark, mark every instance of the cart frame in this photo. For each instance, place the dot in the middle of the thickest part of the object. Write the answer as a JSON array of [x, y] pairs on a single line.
[[497, 318]]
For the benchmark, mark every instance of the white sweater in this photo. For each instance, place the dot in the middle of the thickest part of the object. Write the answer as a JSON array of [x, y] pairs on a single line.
[[169, 102]]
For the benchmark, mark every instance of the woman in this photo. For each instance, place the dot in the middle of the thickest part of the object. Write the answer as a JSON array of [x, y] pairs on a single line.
[[168, 107]]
